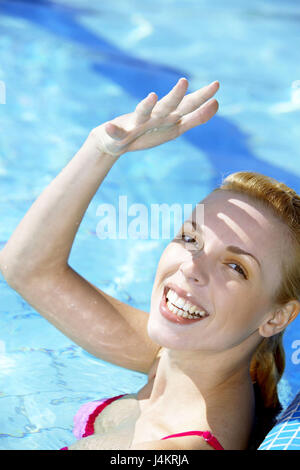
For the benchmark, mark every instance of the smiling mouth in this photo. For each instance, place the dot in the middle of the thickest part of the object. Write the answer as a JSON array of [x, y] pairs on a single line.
[[183, 307], [176, 314]]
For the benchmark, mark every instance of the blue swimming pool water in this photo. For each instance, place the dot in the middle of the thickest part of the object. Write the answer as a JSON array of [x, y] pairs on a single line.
[[71, 65]]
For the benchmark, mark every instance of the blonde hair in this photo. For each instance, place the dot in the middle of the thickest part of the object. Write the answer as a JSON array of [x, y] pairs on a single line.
[[268, 362]]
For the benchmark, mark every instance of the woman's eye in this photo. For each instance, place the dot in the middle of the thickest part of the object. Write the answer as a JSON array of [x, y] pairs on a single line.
[[183, 235], [239, 270], [193, 243], [188, 241]]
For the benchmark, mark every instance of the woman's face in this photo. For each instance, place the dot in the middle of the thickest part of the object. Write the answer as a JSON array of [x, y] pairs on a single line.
[[235, 289]]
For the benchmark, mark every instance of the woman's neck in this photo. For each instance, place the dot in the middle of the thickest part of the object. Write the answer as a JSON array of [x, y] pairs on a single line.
[[190, 376]]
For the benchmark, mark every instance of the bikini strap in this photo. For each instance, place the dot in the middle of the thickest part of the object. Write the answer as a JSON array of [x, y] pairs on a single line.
[[207, 436], [89, 428]]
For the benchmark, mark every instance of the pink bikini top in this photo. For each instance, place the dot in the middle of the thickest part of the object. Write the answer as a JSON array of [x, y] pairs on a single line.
[[89, 426]]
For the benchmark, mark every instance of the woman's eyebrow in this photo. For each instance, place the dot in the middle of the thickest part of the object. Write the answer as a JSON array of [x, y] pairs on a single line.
[[239, 251], [194, 225], [231, 248]]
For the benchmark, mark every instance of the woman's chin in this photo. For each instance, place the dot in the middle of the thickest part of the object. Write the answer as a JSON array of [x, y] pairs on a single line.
[[163, 336]]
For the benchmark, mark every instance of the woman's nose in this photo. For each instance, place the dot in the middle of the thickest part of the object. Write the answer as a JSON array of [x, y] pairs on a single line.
[[194, 271]]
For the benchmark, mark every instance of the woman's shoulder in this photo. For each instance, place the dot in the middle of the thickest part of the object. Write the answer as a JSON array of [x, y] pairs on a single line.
[[231, 417]]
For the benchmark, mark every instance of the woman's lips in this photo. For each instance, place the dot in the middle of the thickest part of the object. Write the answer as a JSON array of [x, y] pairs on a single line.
[[163, 308]]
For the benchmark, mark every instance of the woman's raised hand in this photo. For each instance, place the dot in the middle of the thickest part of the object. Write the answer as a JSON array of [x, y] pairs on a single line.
[[154, 122]]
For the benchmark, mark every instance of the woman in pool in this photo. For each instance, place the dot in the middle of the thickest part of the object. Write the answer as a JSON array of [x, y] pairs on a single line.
[[240, 270]]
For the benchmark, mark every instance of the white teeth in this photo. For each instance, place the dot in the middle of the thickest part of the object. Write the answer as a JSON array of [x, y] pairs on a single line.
[[193, 309], [182, 313], [172, 295], [181, 303]]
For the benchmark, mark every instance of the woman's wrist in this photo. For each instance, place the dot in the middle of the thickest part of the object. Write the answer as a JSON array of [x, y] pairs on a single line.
[[94, 145]]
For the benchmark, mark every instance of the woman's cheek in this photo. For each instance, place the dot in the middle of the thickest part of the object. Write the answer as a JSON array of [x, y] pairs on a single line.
[[170, 258]]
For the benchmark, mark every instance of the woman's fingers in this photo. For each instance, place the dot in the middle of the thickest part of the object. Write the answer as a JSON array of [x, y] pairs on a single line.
[[114, 131], [199, 116], [175, 104], [171, 101], [144, 108], [194, 100], [175, 111]]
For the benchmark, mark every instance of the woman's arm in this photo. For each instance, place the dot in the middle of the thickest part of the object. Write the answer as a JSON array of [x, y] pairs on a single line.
[[43, 240], [35, 259]]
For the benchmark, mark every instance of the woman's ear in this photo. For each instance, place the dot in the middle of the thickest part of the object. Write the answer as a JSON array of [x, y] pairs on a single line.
[[280, 319]]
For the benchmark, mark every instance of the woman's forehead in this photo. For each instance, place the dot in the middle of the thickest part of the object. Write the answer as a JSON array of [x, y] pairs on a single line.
[[236, 206], [235, 218]]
